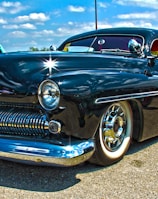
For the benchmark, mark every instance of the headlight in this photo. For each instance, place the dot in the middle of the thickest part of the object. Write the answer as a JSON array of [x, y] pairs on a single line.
[[48, 95]]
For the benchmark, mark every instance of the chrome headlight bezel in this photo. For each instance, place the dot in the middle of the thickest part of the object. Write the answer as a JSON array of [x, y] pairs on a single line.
[[49, 95]]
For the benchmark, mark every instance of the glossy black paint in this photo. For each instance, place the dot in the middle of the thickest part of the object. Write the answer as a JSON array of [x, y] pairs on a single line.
[[83, 78]]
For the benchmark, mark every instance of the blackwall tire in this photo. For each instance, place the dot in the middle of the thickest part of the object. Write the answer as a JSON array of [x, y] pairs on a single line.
[[114, 134]]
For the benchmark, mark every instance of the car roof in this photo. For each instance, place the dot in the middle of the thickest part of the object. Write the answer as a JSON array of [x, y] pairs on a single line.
[[123, 30]]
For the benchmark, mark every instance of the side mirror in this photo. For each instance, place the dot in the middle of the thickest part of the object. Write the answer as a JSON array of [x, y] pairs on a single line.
[[134, 47], [53, 48]]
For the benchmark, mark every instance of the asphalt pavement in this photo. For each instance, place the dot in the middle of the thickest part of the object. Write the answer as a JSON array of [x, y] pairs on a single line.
[[134, 177]]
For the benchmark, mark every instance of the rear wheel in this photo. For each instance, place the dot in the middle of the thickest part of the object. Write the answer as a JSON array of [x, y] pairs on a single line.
[[113, 137]]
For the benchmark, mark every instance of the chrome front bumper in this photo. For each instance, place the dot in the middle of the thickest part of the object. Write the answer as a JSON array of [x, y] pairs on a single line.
[[41, 153]]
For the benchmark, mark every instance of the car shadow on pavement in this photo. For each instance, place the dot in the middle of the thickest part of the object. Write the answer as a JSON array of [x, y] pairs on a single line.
[[138, 146], [40, 178], [50, 179]]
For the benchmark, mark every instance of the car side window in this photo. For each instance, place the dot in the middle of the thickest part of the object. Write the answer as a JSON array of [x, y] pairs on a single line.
[[114, 42], [87, 42], [101, 42]]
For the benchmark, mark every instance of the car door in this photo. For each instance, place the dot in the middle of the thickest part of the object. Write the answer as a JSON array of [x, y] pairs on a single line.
[[150, 103]]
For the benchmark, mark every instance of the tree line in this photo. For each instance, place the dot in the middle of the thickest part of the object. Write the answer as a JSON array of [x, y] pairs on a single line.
[[37, 49]]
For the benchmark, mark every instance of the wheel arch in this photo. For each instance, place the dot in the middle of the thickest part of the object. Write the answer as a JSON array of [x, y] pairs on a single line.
[[138, 121]]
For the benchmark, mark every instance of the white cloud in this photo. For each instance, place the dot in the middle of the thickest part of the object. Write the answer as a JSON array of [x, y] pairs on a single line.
[[47, 32], [43, 33], [70, 23], [123, 24], [133, 24], [2, 10], [76, 28], [10, 26], [21, 26], [3, 21], [22, 18], [40, 17], [145, 24], [11, 7], [57, 13], [11, 4], [102, 5], [146, 15], [72, 28], [28, 26], [18, 34], [103, 25], [141, 3], [32, 43], [76, 8]]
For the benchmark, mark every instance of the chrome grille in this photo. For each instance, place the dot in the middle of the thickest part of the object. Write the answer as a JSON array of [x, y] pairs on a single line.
[[23, 122]]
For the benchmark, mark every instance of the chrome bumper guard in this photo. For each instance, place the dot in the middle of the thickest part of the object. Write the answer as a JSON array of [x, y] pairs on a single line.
[[43, 153]]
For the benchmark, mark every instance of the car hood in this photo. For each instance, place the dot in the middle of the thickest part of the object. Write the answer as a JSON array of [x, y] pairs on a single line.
[[22, 72]]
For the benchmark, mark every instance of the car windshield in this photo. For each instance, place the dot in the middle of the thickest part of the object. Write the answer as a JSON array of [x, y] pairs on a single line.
[[103, 43]]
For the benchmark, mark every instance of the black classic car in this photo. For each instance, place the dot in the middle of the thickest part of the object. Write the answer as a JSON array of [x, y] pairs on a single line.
[[85, 101]]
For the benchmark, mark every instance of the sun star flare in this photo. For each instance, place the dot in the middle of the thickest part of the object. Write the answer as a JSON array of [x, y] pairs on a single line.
[[50, 64]]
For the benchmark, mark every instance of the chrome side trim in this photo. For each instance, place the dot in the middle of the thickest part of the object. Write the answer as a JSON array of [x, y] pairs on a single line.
[[102, 100], [41, 153]]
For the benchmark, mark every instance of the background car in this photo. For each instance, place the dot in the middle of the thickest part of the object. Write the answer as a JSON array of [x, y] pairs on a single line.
[[1, 49]]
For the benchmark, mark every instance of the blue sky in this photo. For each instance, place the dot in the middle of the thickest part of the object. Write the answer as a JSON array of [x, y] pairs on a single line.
[[40, 23]]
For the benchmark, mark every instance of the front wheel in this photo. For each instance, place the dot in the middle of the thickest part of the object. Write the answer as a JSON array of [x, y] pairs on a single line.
[[114, 134]]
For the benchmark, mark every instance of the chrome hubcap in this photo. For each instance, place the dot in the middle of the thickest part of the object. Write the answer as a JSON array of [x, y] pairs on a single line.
[[113, 127]]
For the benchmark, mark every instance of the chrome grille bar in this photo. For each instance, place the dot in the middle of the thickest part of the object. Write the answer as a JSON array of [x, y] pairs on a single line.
[[23, 122]]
